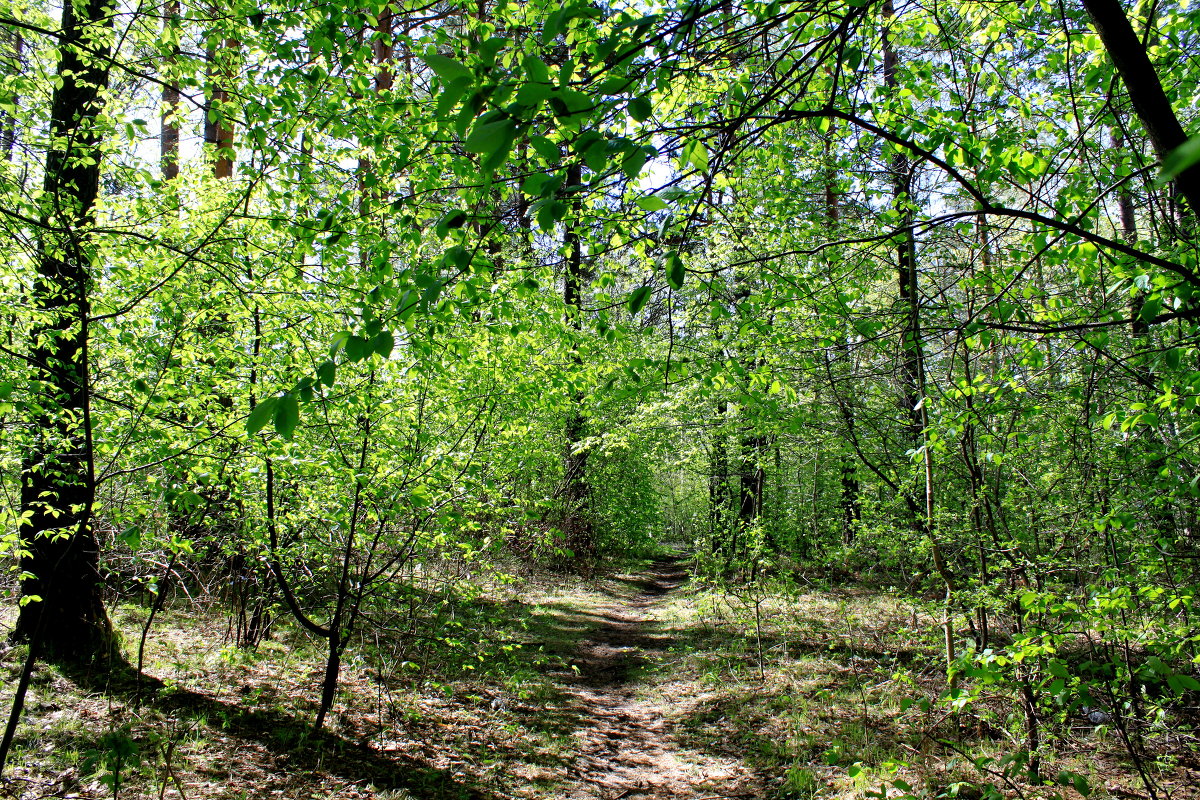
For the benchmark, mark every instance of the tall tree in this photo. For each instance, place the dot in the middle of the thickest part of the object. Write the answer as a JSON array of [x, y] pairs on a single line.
[[1132, 60], [912, 350], [576, 518], [61, 609]]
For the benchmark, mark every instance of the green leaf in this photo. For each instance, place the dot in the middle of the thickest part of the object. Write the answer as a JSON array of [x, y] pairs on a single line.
[[357, 348], [450, 96], [533, 94], [452, 221], [326, 373], [596, 156], [430, 295], [446, 68], [1150, 308], [339, 341], [536, 69], [260, 415], [694, 153], [651, 203], [545, 148], [491, 48], [534, 183], [640, 108], [383, 343], [131, 536], [1183, 683], [420, 496], [553, 25], [613, 85], [1074, 780], [550, 212], [1180, 159], [491, 136], [637, 300], [633, 162], [287, 415], [675, 270]]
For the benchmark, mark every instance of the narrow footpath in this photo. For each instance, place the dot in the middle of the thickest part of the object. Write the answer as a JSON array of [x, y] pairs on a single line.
[[627, 749]]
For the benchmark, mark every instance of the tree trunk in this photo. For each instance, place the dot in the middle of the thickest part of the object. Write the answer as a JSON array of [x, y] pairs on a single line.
[[1150, 102], [60, 562], [329, 684], [218, 128], [382, 48], [369, 189], [1128, 218], [912, 366], [849, 501], [575, 486], [169, 136], [8, 122], [751, 479]]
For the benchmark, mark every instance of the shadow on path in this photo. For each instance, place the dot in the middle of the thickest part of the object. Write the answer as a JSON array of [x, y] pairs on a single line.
[[627, 748]]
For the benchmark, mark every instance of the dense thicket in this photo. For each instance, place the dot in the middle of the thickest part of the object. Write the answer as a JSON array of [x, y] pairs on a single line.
[[298, 300]]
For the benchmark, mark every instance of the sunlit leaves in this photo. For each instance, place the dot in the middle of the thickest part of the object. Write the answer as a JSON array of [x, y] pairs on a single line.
[[651, 203], [694, 154], [287, 415]]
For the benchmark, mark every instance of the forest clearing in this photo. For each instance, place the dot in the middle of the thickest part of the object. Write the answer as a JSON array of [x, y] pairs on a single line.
[[575, 399]]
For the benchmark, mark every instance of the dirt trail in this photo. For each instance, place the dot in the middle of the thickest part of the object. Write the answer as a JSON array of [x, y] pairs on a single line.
[[627, 748]]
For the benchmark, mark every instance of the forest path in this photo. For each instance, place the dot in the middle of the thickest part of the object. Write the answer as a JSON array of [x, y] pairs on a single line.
[[627, 749]]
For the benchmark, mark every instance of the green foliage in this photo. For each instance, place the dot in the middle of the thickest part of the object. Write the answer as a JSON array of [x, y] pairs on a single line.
[[115, 754], [913, 312]]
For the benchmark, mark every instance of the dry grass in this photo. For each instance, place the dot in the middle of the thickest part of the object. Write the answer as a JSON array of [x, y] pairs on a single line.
[[490, 706], [849, 701]]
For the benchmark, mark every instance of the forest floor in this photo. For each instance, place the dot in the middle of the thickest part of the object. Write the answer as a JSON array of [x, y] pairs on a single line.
[[637, 686]]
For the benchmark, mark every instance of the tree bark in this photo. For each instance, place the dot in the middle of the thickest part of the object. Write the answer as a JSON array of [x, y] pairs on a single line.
[[370, 189], [912, 365], [61, 585], [576, 490], [169, 136], [1128, 218], [382, 48], [8, 122], [851, 505], [218, 128], [751, 481], [1150, 102]]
